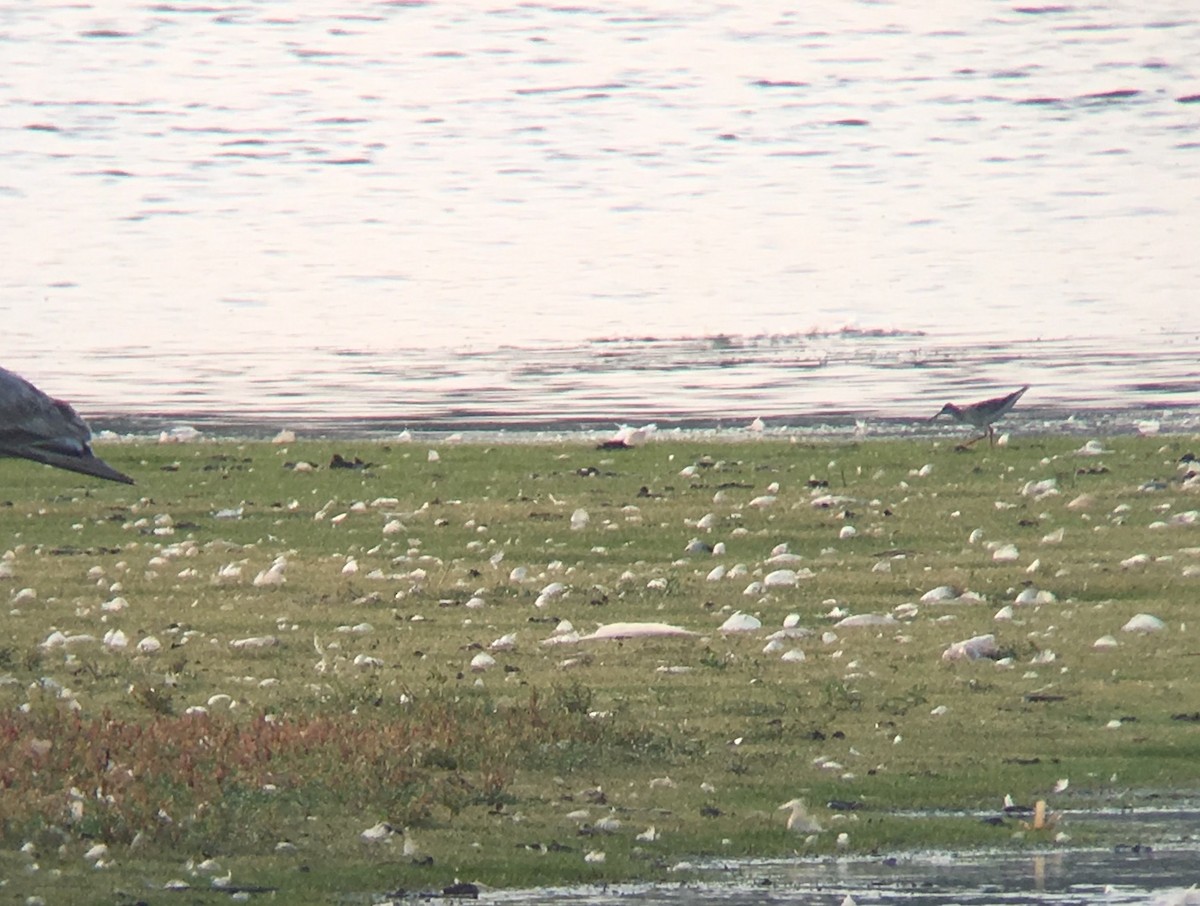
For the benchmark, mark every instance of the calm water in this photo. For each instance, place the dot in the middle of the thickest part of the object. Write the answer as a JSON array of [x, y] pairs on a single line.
[[1061, 879], [535, 212]]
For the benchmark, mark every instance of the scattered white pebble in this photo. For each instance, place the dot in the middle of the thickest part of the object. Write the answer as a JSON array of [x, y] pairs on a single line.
[[866, 619], [980, 646], [481, 662], [940, 594], [1144, 622], [254, 642], [741, 622], [116, 640], [378, 833], [1005, 553], [1135, 561], [780, 578]]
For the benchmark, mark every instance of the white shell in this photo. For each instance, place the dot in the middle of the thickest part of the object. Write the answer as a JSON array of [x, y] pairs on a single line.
[[971, 649], [1035, 596], [1039, 489], [633, 631], [939, 594], [1135, 560], [257, 641], [506, 642], [741, 622], [866, 619], [783, 559], [56, 639], [115, 639], [1144, 622], [779, 578], [377, 834]]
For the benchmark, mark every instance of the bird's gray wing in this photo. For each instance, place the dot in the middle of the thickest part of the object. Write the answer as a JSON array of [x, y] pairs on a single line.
[[34, 426], [28, 416]]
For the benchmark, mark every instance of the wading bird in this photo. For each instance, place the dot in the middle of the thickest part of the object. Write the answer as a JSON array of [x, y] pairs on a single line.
[[34, 426], [982, 414]]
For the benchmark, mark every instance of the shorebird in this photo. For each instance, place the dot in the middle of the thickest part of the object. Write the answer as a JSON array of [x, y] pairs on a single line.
[[982, 414], [800, 820], [34, 426]]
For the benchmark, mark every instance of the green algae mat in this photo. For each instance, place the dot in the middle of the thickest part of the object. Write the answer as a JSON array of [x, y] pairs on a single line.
[[341, 670]]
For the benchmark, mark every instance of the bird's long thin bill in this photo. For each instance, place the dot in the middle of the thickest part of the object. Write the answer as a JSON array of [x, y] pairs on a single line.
[[85, 465]]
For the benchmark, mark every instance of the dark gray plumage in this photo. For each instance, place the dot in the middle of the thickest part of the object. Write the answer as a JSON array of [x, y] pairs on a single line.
[[34, 426], [982, 414]]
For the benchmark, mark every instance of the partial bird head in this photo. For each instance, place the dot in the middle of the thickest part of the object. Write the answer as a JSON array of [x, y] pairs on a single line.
[[949, 409]]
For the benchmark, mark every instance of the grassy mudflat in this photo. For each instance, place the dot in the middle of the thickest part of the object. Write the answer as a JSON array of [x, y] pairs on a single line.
[[249, 663]]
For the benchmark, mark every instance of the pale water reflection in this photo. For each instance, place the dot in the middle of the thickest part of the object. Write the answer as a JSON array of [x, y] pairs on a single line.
[[1062, 878], [414, 211], [871, 384]]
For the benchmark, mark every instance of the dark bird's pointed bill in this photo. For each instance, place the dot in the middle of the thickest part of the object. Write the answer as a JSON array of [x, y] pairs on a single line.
[[34, 426], [981, 415]]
